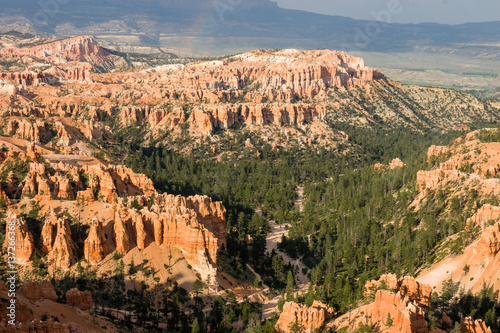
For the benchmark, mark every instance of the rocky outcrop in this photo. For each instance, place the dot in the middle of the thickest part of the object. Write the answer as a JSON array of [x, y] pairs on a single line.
[[286, 93], [79, 299], [24, 129], [49, 232], [83, 49], [433, 178], [437, 151], [4, 198], [96, 245], [307, 318], [386, 281], [407, 286], [79, 74], [111, 182], [403, 300], [396, 163], [23, 242], [282, 75], [484, 214], [224, 117], [140, 229], [470, 325], [64, 138], [104, 183], [407, 316], [23, 79], [38, 291], [489, 243], [32, 153], [20, 81], [122, 239], [36, 182], [63, 249], [196, 225]]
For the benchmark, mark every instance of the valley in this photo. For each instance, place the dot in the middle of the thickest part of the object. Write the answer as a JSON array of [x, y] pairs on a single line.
[[274, 190]]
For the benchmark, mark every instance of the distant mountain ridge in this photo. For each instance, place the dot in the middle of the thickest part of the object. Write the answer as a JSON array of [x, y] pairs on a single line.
[[222, 27]]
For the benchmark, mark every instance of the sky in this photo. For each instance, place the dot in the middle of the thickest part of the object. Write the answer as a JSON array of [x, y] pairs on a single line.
[[410, 11]]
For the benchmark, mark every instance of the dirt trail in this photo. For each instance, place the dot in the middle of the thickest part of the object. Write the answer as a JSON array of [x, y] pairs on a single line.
[[272, 241], [274, 237]]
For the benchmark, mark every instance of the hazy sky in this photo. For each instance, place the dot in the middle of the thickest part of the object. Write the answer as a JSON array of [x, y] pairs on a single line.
[[413, 11]]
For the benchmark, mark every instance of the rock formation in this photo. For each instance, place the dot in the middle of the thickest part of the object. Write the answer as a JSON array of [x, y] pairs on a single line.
[[386, 281], [196, 225], [431, 179], [225, 117], [489, 242], [484, 214], [37, 291], [287, 73], [281, 95], [79, 299], [437, 151], [24, 129], [470, 325], [49, 232], [405, 301], [308, 318], [114, 181], [63, 248], [122, 239], [106, 183], [82, 49], [96, 244], [407, 286], [23, 241], [406, 315], [396, 163]]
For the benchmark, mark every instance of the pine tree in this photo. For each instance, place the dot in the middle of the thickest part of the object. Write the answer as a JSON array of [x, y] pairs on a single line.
[[290, 286], [196, 328], [132, 270]]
